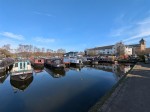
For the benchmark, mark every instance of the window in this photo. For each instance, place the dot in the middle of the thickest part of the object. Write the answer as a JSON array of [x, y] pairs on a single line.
[[20, 65], [16, 64], [39, 60], [24, 64], [28, 63]]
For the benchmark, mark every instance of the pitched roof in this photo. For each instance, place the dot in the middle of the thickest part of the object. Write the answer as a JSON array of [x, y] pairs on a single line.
[[103, 47], [134, 45]]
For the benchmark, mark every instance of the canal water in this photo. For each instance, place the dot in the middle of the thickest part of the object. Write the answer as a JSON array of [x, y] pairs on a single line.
[[74, 89]]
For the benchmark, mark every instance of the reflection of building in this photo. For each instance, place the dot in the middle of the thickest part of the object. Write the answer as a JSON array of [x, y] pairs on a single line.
[[115, 68], [118, 48]]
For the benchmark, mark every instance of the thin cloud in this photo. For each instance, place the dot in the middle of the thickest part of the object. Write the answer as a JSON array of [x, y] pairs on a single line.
[[12, 35], [140, 35], [120, 31], [144, 21], [133, 31], [44, 14], [44, 40]]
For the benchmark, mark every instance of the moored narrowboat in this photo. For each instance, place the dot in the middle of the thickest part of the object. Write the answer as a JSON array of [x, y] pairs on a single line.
[[36, 62], [66, 61], [76, 61], [55, 63], [21, 67], [2, 68]]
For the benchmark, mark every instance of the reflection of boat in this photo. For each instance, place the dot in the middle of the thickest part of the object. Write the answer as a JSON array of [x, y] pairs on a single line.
[[21, 82], [56, 73], [21, 67], [55, 63], [105, 67], [76, 68], [3, 77], [38, 69]]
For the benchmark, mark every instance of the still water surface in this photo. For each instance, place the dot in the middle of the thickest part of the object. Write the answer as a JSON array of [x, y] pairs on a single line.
[[70, 90]]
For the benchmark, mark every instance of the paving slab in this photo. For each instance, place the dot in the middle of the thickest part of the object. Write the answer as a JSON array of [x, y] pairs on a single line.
[[133, 95]]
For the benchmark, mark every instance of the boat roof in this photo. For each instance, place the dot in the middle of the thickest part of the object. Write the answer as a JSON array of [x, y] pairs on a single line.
[[22, 60]]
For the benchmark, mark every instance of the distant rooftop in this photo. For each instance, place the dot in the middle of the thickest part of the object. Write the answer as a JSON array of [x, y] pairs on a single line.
[[103, 47], [134, 45]]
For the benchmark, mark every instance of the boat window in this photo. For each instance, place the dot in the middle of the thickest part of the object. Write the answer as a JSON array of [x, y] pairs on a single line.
[[20, 65], [24, 64], [57, 61], [16, 64]]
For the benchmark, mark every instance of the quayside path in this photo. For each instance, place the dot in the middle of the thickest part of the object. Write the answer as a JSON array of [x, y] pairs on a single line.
[[133, 94]]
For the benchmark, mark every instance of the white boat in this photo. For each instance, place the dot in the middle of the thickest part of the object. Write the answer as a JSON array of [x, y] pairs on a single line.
[[21, 67], [75, 61]]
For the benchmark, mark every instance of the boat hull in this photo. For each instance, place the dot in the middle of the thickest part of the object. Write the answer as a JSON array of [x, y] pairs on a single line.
[[21, 72]]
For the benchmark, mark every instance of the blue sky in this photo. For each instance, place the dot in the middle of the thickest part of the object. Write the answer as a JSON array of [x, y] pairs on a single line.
[[74, 24]]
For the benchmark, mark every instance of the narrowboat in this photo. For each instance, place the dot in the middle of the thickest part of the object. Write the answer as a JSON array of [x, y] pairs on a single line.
[[66, 61], [76, 61], [19, 84], [21, 67], [55, 63], [36, 62], [2, 68]]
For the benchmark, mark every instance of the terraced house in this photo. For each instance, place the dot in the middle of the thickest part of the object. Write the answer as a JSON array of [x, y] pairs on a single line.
[[118, 49]]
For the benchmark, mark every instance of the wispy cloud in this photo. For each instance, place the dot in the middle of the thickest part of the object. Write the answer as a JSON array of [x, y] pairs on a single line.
[[44, 40], [120, 31], [12, 35], [133, 31], [44, 14], [144, 21]]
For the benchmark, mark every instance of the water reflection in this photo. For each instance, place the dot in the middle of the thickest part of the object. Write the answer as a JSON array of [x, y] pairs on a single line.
[[76, 68], [38, 69], [55, 73], [3, 76], [77, 91], [4, 73], [118, 69], [20, 83]]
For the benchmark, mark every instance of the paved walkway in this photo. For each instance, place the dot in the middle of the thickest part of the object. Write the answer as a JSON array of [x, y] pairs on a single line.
[[133, 95]]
